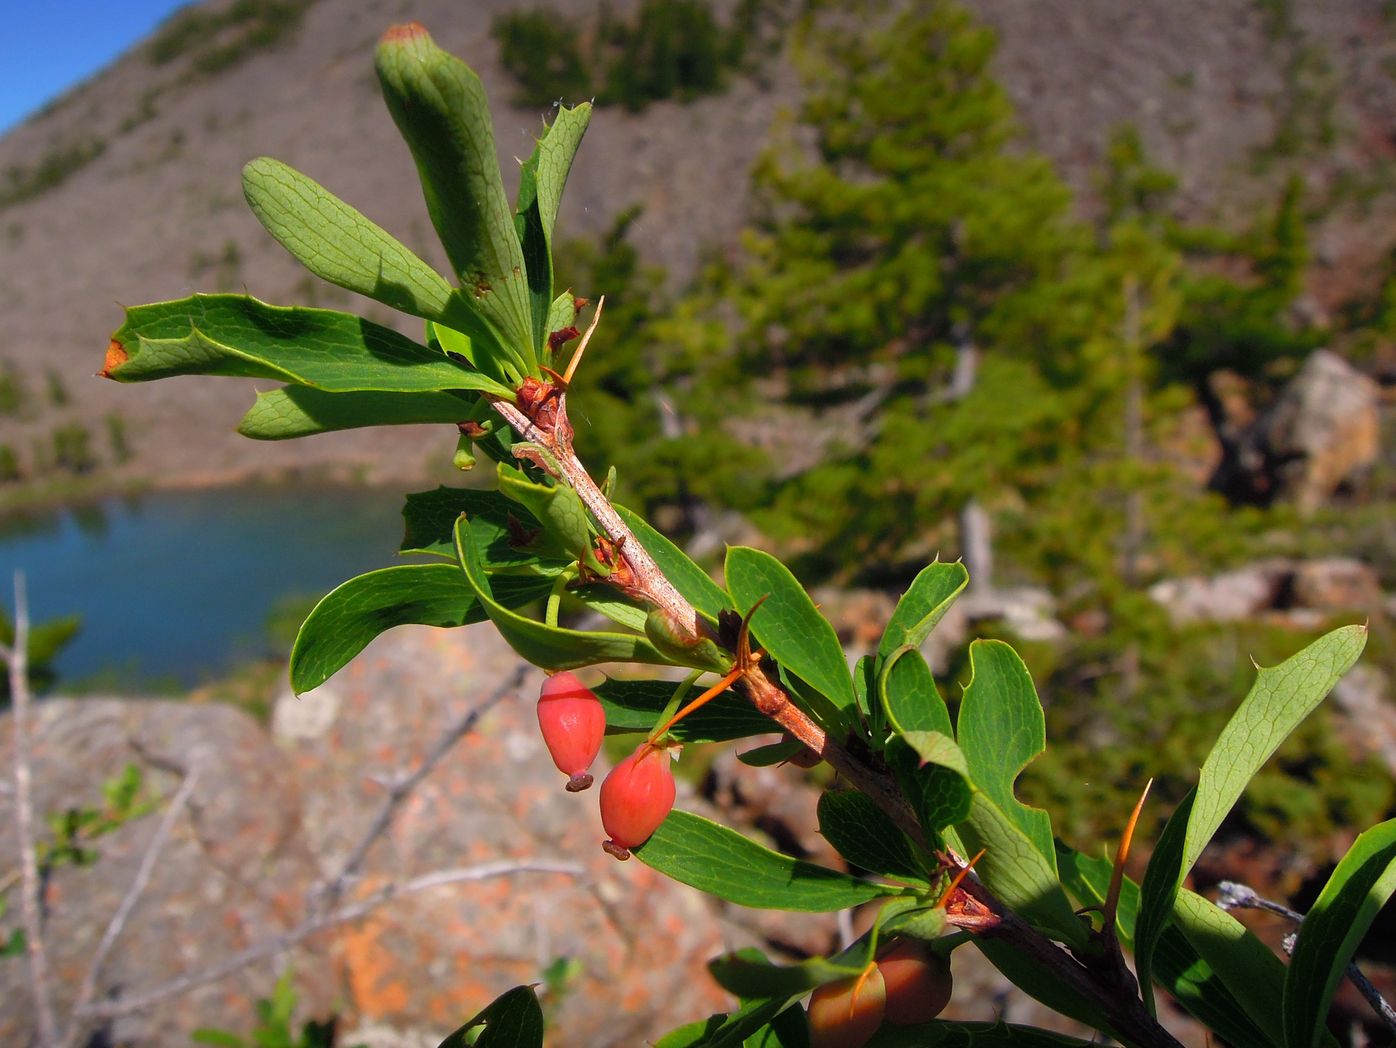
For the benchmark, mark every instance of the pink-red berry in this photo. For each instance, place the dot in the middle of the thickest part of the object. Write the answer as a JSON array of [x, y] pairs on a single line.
[[635, 798], [918, 981], [846, 1014], [573, 722]]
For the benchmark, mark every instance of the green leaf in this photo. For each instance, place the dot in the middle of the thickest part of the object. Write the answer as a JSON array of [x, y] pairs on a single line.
[[788, 625], [1016, 872], [512, 1020], [1249, 969], [931, 772], [541, 180], [786, 1030], [635, 705], [560, 510], [731, 1031], [750, 977], [338, 244], [1028, 974], [1001, 730], [496, 525], [1280, 699], [237, 336], [863, 834], [298, 411], [926, 600], [1355, 893], [562, 314], [972, 1035], [439, 106], [771, 755], [607, 600], [704, 855], [692, 582], [909, 696], [550, 647], [345, 620], [921, 922]]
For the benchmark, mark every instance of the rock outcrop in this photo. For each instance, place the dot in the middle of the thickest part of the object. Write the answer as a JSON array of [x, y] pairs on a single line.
[[1321, 434], [1298, 591], [269, 819]]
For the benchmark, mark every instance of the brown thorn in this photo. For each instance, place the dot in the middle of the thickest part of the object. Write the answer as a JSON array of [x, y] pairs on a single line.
[[744, 656]]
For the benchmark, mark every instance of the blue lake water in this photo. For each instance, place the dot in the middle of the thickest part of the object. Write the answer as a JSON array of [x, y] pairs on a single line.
[[176, 587]]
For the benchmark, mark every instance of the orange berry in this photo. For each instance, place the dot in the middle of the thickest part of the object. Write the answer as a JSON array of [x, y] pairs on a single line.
[[918, 981], [845, 1014], [573, 721], [635, 798]]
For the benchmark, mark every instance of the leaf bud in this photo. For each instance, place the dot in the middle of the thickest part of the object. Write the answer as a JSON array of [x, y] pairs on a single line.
[[573, 722]]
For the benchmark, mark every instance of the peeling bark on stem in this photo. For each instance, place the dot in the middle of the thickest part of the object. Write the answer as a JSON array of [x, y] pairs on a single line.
[[650, 581]]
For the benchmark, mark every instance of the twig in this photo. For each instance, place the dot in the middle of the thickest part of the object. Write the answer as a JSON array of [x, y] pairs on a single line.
[[17, 657], [649, 579], [330, 893], [279, 943], [1234, 896], [128, 904]]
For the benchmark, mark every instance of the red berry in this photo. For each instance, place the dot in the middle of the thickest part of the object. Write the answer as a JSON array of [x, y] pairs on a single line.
[[918, 981], [845, 1014], [572, 721], [635, 798]]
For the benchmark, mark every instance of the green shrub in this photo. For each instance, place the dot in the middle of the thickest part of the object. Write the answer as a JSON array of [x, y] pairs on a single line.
[[667, 49], [9, 465], [72, 449], [52, 170], [216, 40], [12, 392], [543, 53]]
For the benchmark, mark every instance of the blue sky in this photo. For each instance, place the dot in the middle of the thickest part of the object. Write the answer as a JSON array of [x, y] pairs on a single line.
[[48, 47]]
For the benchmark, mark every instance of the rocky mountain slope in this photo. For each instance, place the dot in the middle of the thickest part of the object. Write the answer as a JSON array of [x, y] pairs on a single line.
[[127, 189]]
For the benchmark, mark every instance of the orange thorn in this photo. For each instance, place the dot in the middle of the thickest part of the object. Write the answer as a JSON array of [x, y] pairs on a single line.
[[702, 700], [858, 989], [959, 877], [1117, 875], [582, 345]]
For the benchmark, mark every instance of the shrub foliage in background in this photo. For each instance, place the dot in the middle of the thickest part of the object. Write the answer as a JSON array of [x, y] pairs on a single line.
[[668, 49]]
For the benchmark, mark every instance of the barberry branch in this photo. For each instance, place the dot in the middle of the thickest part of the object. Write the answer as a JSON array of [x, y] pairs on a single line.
[[1129, 1019]]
